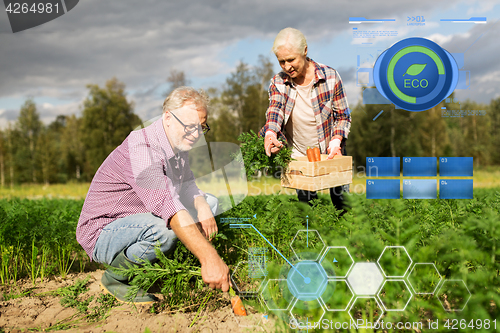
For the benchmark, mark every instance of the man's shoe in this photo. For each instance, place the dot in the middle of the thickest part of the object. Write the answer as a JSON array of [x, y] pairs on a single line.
[[117, 285]]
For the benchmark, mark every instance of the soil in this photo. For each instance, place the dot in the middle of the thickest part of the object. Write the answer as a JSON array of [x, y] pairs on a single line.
[[41, 312]]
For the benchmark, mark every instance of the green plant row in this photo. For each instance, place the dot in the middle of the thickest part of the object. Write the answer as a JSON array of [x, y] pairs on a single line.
[[37, 239], [461, 237]]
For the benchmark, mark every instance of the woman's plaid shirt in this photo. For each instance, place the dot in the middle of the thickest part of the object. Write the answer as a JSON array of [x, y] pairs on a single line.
[[329, 102]]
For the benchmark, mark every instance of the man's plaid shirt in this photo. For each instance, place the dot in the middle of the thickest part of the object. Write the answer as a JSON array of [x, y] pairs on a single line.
[[329, 102]]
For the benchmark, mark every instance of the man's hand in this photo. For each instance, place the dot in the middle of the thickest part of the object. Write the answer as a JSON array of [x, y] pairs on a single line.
[[215, 273], [271, 143], [334, 149], [213, 270], [207, 222]]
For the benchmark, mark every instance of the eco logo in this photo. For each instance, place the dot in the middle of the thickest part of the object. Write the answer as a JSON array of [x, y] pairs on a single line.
[[415, 74], [26, 14]]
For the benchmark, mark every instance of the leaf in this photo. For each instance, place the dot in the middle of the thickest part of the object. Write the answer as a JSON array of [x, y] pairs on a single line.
[[415, 69], [254, 158]]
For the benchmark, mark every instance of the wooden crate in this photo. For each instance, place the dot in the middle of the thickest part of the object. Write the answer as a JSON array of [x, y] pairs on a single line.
[[315, 176]]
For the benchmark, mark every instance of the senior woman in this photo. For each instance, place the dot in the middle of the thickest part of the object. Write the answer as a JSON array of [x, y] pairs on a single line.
[[307, 107]]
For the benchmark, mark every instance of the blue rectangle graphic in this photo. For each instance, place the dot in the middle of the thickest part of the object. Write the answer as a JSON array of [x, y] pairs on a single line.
[[362, 19], [475, 19], [382, 189], [456, 189], [383, 167], [456, 166], [419, 167], [419, 189]]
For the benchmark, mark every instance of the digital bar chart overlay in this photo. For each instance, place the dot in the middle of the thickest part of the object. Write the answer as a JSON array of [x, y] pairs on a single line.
[[383, 167], [420, 189], [419, 167], [455, 189], [456, 166], [383, 189]]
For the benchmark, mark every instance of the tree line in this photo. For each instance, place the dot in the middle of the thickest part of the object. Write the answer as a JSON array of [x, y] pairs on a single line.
[[451, 128], [72, 148]]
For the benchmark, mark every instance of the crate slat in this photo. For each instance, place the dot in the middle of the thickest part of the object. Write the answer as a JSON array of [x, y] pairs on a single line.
[[317, 183], [316, 176], [323, 167]]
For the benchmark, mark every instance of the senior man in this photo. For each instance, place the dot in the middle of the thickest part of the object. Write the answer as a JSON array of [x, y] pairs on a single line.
[[307, 107], [144, 194]]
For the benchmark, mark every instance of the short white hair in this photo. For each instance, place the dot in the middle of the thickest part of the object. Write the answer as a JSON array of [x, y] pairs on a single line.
[[182, 95], [293, 37]]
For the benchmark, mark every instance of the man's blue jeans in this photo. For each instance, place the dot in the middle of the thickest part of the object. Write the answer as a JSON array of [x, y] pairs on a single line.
[[138, 234]]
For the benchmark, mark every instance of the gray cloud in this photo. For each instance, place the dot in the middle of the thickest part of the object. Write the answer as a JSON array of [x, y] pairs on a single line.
[[132, 40], [481, 59], [9, 114], [348, 75], [139, 42]]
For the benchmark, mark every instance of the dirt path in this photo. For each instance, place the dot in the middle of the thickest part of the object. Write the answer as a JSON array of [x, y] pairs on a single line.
[[45, 311]]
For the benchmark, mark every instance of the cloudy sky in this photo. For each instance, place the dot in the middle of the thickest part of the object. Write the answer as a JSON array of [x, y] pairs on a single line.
[[140, 42]]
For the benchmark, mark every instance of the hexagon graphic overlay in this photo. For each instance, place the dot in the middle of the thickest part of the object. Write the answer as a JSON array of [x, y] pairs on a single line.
[[453, 295], [395, 295], [307, 314], [366, 307], [244, 282], [394, 261], [365, 278], [424, 278], [275, 293], [336, 261], [337, 296], [307, 280], [307, 244]]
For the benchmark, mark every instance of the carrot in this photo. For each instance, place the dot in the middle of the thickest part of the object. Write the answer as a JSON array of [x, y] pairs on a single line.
[[310, 154], [317, 154], [237, 304], [238, 307]]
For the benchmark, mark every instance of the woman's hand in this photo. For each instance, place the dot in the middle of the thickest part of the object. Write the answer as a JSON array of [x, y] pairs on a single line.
[[271, 143]]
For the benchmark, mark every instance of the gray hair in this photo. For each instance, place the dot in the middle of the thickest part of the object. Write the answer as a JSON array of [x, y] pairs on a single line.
[[182, 95], [292, 37]]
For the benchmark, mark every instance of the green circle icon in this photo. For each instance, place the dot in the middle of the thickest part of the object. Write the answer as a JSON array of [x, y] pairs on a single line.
[[397, 57]]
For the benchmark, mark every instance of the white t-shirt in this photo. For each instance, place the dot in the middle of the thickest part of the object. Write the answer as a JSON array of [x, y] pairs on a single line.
[[301, 125]]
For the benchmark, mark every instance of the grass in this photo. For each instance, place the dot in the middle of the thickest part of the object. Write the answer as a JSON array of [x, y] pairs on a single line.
[[73, 191], [484, 177], [461, 237], [37, 239]]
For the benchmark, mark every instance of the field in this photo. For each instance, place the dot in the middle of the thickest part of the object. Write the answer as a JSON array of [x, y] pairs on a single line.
[[440, 259], [488, 177]]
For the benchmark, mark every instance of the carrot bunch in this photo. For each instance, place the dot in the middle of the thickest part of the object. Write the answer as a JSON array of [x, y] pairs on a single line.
[[313, 154], [237, 304]]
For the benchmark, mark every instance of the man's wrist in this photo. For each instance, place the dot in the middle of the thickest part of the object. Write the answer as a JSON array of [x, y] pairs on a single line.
[[209, 256], [200, 203], [192, 238]]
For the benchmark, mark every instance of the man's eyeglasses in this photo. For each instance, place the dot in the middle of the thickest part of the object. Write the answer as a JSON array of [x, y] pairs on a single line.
[[190, 129]]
